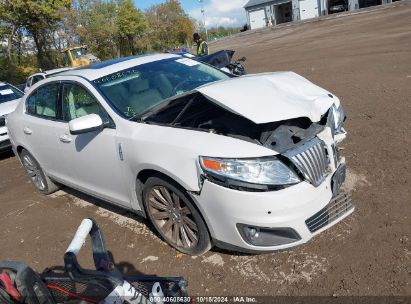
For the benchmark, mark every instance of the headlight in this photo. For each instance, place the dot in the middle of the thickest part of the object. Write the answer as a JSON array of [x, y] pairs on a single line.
[[258, 171], [339, 118]]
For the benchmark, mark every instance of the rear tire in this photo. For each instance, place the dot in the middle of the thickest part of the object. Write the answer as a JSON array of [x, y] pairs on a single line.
[[174, 216], [40, 180]]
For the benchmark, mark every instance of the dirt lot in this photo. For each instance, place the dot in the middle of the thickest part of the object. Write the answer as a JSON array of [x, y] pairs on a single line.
[[365, 59]]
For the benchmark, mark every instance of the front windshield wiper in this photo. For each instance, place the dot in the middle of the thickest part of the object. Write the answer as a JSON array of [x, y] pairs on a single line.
[[150, 111], [160, 106]]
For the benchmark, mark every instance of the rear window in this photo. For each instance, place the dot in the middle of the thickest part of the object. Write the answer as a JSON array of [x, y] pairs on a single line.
[[9, 93]]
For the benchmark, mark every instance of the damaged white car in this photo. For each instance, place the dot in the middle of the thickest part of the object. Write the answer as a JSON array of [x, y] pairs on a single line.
[[247, 163]]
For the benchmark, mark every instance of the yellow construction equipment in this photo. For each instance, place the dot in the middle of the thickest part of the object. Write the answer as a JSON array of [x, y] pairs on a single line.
[[78, 56]]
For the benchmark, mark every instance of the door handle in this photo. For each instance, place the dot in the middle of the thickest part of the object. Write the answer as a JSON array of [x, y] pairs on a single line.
[[27, 131], [65, 138]]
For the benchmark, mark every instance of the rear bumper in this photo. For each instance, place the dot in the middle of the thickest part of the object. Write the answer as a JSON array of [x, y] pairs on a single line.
[[4, 139], [303, 209], [5, 145]]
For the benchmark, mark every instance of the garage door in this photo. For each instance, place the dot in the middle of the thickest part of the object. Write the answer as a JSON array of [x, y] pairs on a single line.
[[308, 9], [257, 19]]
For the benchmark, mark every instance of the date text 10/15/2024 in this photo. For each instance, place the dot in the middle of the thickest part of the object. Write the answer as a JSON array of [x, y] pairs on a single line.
[[205, 299]]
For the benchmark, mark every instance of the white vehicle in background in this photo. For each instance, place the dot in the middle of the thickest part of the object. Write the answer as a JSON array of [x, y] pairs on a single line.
[[249, 163], [33, 79], [9, 98]]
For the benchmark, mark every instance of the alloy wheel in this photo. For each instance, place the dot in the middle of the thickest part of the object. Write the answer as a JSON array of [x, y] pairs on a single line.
[[172, 217], [34, 172]]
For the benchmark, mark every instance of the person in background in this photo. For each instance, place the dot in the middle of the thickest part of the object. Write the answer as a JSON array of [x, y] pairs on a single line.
[[202, 46]]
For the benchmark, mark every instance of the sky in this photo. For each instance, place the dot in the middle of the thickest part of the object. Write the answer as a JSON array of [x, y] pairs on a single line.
[[226, 13]]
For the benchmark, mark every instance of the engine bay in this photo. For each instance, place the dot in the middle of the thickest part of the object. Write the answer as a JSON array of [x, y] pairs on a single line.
[[196, 112]]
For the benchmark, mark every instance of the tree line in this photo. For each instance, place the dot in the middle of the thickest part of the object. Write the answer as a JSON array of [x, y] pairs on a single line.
[[34, 32]]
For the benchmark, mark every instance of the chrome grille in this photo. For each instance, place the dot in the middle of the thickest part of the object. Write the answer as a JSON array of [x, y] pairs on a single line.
[[312, 160], [336, 208]]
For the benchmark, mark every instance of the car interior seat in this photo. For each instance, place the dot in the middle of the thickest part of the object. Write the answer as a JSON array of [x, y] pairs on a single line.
[[86, 108], [142, 95], [163, 85], [118, 95], [79, 105], [69, 104], [48, 108]]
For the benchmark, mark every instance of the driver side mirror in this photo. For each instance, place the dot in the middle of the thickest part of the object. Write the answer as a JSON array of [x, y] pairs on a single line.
[[86, 124]]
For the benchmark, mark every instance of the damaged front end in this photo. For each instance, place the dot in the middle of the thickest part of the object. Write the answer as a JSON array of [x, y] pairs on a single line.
[[303, 150]]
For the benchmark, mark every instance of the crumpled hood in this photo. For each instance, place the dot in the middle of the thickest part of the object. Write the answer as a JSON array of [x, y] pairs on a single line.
[[270, 97], [9, 106]]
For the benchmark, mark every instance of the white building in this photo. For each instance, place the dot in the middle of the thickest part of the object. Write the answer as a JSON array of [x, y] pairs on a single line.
[[261, 13]]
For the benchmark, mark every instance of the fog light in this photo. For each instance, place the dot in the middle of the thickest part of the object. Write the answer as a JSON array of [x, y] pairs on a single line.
[[262, 236], [252, 232]]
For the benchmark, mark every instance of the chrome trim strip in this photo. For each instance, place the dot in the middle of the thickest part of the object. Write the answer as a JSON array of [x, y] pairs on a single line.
[[312, 160], [336, 208]]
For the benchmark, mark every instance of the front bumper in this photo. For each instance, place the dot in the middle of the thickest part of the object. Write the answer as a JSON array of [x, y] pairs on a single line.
[[291, 208]]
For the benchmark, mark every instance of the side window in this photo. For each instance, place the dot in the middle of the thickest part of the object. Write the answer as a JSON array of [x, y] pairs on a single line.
[[31, 104], [43, 102], [78, 102]]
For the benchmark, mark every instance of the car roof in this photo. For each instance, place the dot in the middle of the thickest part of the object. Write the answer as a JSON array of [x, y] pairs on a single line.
[[96, 70]]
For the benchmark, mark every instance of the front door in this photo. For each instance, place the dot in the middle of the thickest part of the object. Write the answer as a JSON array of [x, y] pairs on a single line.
[[93, 157]]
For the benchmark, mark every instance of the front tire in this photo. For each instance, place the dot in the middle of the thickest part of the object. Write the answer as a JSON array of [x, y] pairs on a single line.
[[174, 216], [40, 180]]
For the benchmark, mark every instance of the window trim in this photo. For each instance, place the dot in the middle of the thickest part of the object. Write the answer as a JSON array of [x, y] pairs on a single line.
[[59, 103]]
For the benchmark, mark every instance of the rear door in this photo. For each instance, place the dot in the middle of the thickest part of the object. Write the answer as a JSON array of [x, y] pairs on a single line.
[[39, 126]]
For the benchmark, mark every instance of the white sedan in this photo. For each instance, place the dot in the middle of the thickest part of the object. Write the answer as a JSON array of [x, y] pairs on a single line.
[[9, 98], [247, 163]]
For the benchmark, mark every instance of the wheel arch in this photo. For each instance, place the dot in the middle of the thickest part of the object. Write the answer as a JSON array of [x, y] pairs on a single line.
[[18, 150], [145, 174]]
